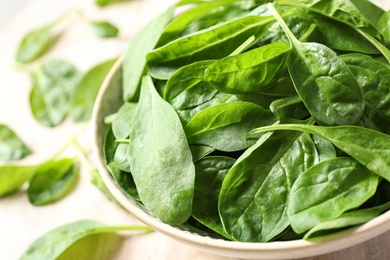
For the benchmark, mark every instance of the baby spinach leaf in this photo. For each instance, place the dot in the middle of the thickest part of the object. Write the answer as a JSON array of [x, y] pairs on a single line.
[[52, 181], [212, 43], [54, 83], [341, 10], [224, 126], [325, 149], [176, 28], [384, 25], [53, 244], [124, 179], [289, 107], [11, 146], [36, 43], [87, 90], [346, 220], [250, 72], [369, 10], [134, 59], [374, 79], [327, 190], [371, 148], [160, 158], [210, 173], [254, 194], [342, 37], [326, 86], [12, 177], [121, 125], [103, 29]]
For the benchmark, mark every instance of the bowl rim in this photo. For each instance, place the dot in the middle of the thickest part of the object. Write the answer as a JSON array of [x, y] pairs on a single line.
[[269, 250]]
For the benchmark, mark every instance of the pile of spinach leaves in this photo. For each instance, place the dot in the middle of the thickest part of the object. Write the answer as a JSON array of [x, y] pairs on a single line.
[[257, 121]]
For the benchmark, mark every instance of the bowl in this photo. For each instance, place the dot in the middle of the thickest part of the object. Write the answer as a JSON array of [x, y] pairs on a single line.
[[110, 99]]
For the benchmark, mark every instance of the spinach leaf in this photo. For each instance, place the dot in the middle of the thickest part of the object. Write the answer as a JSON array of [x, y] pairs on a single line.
[[134, 59], [224, 126], [342, 37], [12, 177], [325, 149], [103, 29], [210, 173], [54, 84], [369, 10], [249, 72], [346, 220], [374, 79], [11, 146], [121, 125], [36, 43], [199, 151], [369, 147], [327, 190], [341, 10], [289, 107], [52, 181], [326, 86], [212, 43], [54, 244], [384, 25], [159, 164], [87, 90], [254, 194], [124, 179]]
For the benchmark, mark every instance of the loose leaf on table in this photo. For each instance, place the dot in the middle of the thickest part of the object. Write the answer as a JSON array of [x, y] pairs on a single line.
[[371, 148], [86, 91], [224, 126], [12, 177], [374, 79], [52, 181], [327, 190], [326, 86], [124, 179], [160, 158], [37, 42], [56, 242], [253, 199], [210, 173], [108, 2], [11, 146], [103, 29], [121, 124], [134, 59], [54, 83], [212, 43], [250, 72], [346, 220]]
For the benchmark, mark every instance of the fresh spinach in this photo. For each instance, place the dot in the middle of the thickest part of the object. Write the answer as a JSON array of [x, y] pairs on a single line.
[[103, 29], [384, 25], [11, 146], [55, 243], [86, 91], [12, 177], [54, 85], [159, 163]]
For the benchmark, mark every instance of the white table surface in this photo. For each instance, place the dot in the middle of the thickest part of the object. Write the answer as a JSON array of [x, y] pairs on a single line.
[[20, 222]]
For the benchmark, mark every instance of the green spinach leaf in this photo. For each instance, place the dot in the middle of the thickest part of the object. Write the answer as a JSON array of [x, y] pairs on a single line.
[[12, 177], [160, 158], [11, 146], [103, 29], [52, 181]]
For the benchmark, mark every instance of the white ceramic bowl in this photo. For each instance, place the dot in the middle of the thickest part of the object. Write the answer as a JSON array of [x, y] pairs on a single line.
[[108, 102]]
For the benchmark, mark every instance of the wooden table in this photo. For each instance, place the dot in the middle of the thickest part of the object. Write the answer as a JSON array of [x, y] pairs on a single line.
[[20, 222]]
